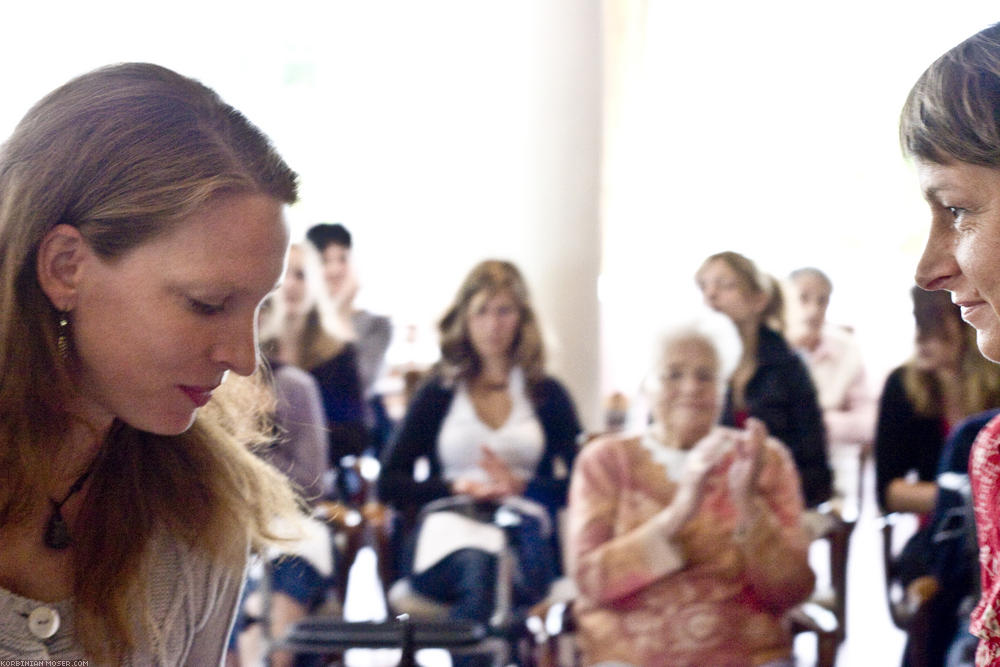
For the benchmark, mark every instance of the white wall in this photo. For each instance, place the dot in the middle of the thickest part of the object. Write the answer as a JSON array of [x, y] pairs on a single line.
[[446, 131], [441, 132], [770, 128]]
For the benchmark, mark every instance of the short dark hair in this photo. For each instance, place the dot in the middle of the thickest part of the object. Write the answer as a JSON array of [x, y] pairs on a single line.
[[326, 234], [953, 111]]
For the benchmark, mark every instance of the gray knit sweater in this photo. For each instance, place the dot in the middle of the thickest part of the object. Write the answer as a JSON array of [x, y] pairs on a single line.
[[193, 603]]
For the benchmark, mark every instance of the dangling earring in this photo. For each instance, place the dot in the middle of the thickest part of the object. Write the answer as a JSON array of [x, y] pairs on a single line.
[[62, 341]]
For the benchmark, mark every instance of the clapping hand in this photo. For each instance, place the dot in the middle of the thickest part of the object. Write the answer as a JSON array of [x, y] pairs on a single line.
[[502, 482], [691, 487], [745, 469]]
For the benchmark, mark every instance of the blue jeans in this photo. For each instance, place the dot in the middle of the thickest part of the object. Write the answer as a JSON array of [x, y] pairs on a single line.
[[296, 577], [466, 579]]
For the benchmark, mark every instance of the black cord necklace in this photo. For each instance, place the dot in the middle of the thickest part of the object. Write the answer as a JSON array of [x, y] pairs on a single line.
[[56, 531]]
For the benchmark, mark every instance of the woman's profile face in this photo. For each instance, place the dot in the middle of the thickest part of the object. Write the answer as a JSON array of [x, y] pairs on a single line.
[[493, 322], [963, 247], [686, 396], [725, 292], [156, 330]]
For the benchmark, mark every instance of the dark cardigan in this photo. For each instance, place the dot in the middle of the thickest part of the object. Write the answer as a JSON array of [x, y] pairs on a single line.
[[340, 389], [782, 395], [904, 440], [417, 435]]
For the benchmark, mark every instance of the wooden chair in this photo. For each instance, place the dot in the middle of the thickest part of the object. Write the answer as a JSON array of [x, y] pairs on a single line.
[[901, 609], [353, 528], [424, 622], [330, 636], [825, 613], [551, 627]]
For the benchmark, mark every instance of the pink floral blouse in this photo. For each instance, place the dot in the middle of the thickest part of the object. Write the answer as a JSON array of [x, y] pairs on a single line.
[[700, 590], [984, 473]]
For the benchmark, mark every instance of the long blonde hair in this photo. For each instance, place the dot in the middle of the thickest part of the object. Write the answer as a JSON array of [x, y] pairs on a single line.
[[316, 341], [124, 154], [459, 360], [953, 110]]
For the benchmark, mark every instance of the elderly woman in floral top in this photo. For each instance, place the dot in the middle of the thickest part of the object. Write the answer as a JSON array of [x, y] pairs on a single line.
[[686, 542]]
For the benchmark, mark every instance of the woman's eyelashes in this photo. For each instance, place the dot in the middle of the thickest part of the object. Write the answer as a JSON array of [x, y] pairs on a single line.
[[204, 308]]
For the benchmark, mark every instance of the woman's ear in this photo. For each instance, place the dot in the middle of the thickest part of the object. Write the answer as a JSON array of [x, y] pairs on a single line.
[[60, 258]]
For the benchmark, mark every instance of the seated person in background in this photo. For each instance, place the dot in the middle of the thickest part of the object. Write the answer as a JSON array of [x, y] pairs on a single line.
[[834, 362], [369, 333], [298, 333], [944, 558], [493, 426], [945, 380], [686, 542], [300, 450], [771, 382]]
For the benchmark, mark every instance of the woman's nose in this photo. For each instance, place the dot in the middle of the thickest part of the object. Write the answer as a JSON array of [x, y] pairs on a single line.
[[937, 268], [237, 349], [690, 385]]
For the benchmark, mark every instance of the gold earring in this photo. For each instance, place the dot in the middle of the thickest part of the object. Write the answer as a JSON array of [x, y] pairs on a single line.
[[62, 341]]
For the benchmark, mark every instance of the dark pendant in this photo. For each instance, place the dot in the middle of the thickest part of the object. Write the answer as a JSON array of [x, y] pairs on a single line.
[[56, 531]]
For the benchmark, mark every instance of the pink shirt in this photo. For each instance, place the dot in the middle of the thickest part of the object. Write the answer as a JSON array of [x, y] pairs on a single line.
[[849, 408]]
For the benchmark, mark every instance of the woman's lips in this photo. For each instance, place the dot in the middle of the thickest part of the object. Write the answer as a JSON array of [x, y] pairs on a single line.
[[198, 395], [970, 309]]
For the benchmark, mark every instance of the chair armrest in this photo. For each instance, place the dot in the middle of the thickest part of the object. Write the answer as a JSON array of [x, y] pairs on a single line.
[[812, 617]]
